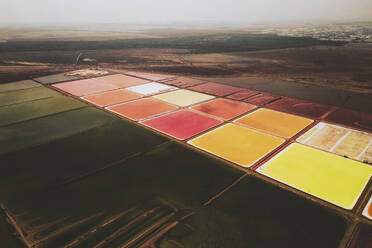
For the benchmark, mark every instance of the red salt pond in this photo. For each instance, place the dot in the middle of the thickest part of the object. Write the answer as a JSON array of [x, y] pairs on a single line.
[[216, 89], [301, 107], [112, 97], [122, 81], [142, 109], [243, 95], [351, 118], [149, 76], [182, 124], [184, 82], [262, 99], [85, 87], [223, 108]]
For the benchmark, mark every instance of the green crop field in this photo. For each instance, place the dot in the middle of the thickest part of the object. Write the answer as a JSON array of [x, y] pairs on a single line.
[[42, 130], [162, 177], [26, 95], [30, 110], [257, 214]]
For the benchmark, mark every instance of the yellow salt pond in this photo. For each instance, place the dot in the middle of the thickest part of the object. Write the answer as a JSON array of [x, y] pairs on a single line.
[[327, 176], [241, 145]]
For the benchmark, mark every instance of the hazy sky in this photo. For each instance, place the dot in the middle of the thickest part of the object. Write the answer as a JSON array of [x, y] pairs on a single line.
[[167, 11]]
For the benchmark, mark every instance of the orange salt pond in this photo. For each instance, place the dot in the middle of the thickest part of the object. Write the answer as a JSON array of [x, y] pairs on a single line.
[[274, 122], [240, 145], [112, 97], [142, 109], [368, 209], [224, 109]]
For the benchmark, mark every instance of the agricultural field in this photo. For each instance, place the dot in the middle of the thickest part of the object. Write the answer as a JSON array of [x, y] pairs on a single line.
[[257, 214]]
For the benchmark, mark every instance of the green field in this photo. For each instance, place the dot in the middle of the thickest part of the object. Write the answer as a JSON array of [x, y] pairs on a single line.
[[42, 130], [35, 109], [258, 214], [46, 166], [21, 85], [168, 176], [26, 95]]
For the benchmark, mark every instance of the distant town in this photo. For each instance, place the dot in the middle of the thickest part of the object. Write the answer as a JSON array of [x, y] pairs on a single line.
[[349, 32]]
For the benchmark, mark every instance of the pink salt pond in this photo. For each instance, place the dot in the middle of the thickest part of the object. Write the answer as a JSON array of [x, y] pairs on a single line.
[[122, 81], [184, 82], [182, 124], [243, 95], [85, 87], [150, 76], [262, 99]]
